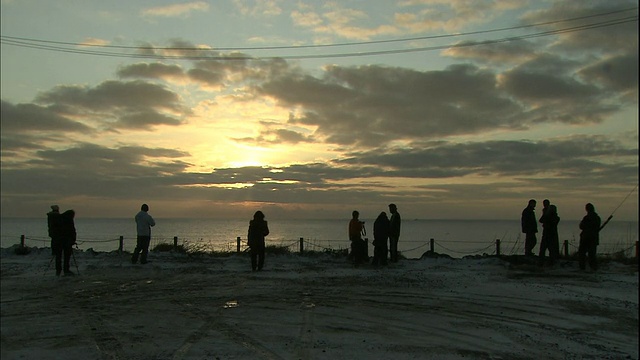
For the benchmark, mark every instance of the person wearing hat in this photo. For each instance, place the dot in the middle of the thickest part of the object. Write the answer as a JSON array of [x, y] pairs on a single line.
[[53, 224], [394, 232]]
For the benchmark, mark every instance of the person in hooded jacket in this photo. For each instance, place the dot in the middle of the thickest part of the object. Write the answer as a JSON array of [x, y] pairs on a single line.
[[380, 237], [258, 229], [68, 238]]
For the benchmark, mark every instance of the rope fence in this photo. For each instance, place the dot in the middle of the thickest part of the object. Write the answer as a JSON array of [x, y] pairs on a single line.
[[303, 245]]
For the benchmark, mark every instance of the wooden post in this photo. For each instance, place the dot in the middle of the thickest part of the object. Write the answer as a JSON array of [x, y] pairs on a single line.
[[21, 240], [238, 241], [301, 245], [498, 247], [121, 245], [175, 243], [566, 248], [432, 245]]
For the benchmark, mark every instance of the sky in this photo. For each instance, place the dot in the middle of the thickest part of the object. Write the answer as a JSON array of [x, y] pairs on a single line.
[[308, 109]]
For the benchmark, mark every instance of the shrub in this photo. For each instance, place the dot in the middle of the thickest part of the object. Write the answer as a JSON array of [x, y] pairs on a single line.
[[165, 247]]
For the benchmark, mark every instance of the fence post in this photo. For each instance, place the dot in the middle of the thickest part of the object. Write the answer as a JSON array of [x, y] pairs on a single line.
[[121, 245], [301, 245], [498, 247], [21, 240], [432, 245], [566, 248], [238, 242], [175, 243]]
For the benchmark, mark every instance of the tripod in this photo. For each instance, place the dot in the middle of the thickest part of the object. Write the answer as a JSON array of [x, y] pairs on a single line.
[[73, 255]]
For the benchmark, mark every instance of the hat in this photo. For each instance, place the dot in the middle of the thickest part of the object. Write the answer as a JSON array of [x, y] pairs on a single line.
[[55, 207]]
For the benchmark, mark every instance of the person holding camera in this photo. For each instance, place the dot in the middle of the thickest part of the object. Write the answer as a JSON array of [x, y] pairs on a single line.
[[358, 249]]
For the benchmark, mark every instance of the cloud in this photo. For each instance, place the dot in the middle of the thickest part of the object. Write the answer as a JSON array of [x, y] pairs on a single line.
[[425, 172], [618, 73], [258, 8], [493, 54], [25, 118], [336, 20], [373, 105], [176, 10], [151, 71], [620, 38], [114, 104]]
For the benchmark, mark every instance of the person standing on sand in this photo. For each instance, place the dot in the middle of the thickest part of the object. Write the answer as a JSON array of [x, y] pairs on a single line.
[[394, 232], [144, 222], [529, 227], [550, 241], [380, 236], [545, 207], [68, 238], [589, 238], [53, 225], [358, 248], [258, 229]]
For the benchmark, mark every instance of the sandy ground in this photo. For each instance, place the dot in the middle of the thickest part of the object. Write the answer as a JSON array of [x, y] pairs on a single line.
[[314, 307]]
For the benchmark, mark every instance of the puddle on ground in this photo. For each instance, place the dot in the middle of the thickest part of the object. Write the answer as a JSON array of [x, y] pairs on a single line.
[[231, 304]]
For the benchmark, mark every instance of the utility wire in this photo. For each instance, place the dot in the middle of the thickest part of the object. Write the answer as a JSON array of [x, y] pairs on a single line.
[[27, 44], [431, 37]]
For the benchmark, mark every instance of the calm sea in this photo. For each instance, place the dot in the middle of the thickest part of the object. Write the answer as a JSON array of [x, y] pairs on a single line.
[[454, 237]]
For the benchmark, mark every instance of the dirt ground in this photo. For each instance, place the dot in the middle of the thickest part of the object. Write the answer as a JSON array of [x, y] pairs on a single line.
[[320, 307]]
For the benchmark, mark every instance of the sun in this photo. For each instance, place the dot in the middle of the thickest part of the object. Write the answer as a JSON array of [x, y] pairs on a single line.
[[247, 155]]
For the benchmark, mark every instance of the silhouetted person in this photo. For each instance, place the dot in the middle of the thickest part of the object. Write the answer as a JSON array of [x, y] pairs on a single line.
[[54, 227], [380, 237], [550, 241], [68, 237], [258, 229], [394, 232], [545, 207], [589, 238], [144, 222], [358, 248], [529, 227]]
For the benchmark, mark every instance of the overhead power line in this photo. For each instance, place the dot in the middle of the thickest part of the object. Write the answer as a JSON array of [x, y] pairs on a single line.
[[373, 42], [149, 52]]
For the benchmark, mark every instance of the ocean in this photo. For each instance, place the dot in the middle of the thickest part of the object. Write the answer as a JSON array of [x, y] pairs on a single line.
[[456, 238]]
